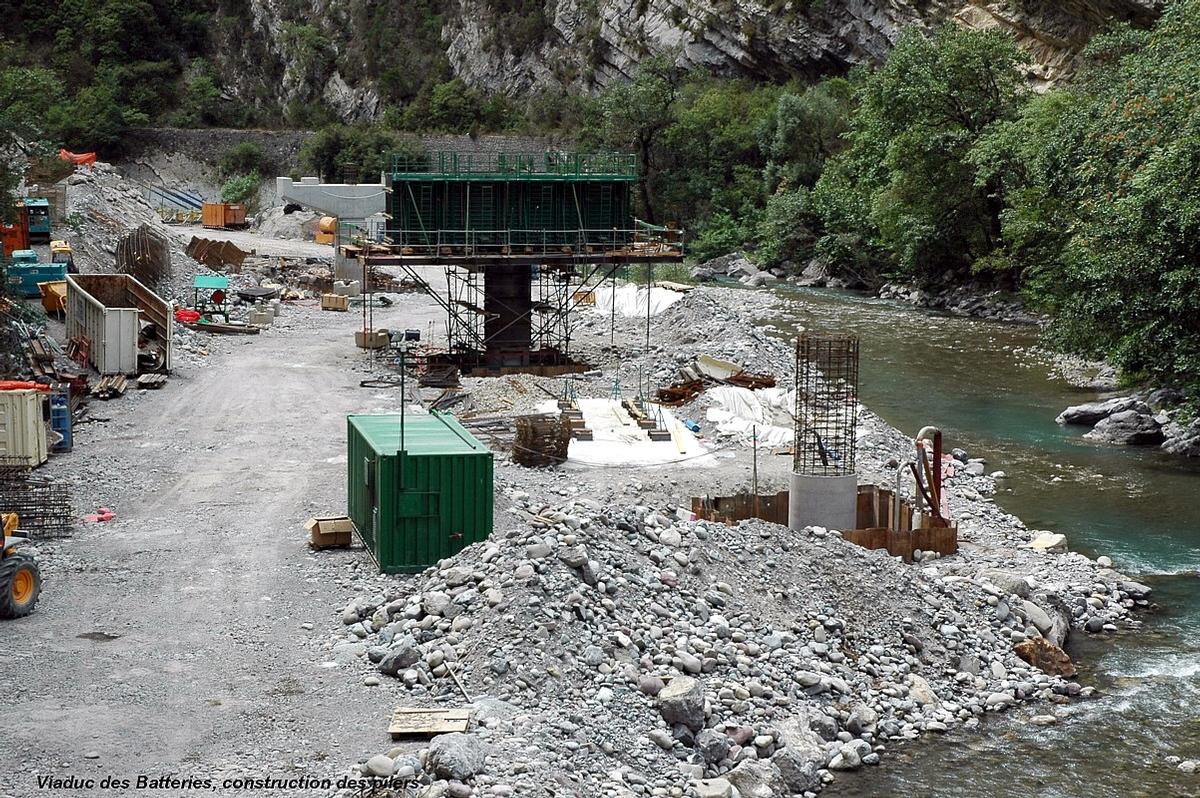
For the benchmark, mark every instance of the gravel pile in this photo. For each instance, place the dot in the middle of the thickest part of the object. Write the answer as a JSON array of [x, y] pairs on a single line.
[[102, 207], [618, 650], [277, 223]]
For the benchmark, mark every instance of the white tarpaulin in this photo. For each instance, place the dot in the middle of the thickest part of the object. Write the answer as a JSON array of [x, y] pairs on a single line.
[[618, 440], [631, 300], [739, 411]]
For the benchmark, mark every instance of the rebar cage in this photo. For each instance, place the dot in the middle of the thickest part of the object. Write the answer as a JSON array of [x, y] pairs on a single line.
[[826, 404], [44, 507]]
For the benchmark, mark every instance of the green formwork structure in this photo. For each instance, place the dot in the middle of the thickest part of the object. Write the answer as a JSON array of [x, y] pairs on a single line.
[[419, 494], [523, 238], [506, 203]]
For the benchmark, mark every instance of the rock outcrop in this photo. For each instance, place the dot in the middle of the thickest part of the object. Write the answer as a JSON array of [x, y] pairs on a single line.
[[286, 55]]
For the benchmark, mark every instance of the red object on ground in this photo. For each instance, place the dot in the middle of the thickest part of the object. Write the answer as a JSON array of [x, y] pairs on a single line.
[[78, 158], [19, 385], [187, 316]]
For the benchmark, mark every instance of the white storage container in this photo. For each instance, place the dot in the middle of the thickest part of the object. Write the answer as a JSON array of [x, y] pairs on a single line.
[[109, 310], [22, 428]]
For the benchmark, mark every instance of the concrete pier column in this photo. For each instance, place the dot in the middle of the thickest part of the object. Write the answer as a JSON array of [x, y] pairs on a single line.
[[831, 502]]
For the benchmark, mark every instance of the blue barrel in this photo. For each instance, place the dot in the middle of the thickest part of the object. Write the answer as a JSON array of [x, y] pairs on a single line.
[[60, 420]]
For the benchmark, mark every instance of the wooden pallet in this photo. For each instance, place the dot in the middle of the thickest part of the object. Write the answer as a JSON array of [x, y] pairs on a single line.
[[152, 381], [110, 386], [408, 721]]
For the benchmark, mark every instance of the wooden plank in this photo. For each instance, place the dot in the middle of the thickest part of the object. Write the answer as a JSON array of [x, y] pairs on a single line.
[[417, 721]]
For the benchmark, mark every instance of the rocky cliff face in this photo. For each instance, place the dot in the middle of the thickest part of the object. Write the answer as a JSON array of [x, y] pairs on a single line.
[[310, 51]]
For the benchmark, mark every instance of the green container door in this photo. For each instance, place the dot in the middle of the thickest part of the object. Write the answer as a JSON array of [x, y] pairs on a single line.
[[416, 507]]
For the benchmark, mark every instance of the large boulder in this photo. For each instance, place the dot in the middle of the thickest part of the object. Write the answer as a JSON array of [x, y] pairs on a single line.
[[758, 279], [1182, 440], [402, 654], [733, 264], [1008, 581], [1037, 616], [815, 273], [740, 267], [712, 745], [712, 788], [1047, 657], [456, 756], [682, 701], [755, 778], [802, 754], [1093, 412], [1129, 428]]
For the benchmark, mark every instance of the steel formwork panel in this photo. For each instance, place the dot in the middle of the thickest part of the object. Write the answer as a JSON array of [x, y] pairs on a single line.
[[496, 212]]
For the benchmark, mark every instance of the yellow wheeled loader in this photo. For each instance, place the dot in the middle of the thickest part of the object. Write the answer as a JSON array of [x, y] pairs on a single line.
[[20, 578]]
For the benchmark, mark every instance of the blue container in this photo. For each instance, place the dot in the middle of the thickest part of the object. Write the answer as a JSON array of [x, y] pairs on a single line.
[[38, 209], [23, 278], [60, 420]]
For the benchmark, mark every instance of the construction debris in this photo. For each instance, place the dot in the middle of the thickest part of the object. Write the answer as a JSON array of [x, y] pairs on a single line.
[[216, 255], [680, 393], [43, 504]]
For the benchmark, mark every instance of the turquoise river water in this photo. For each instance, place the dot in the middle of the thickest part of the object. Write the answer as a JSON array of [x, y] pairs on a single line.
[[987, 386]]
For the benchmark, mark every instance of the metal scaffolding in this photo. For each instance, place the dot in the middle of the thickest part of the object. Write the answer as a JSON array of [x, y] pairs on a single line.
[[826, 404]]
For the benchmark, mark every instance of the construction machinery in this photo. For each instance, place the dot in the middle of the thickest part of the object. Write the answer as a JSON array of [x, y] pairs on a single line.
[[61, 252], [38, 211], [20, 577]]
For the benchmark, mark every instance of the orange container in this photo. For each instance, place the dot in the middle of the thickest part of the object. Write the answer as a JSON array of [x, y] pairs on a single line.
[[223, 214], [15, 236], [213, 214]]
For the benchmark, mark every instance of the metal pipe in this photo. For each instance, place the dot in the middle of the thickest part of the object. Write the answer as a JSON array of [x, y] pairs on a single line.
[[896, 498], [935, 488]]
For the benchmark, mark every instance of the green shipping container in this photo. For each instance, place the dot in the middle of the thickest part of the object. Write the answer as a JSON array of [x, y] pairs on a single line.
[[416, 504]]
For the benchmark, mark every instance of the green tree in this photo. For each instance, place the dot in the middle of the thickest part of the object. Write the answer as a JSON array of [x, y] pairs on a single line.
[[805, 130], [905, 186], [246, 158], [26, 94], [241, 188], [634, 115], [364, 149], [1129, 285]]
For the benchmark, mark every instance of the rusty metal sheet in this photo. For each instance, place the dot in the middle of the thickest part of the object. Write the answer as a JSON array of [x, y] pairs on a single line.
[[215, 254]]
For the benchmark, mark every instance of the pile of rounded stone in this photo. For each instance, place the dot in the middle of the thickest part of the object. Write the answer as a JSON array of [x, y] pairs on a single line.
[[622, 651]]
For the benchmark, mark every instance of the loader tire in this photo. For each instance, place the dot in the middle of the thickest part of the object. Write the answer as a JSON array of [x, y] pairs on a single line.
[[20, 585]]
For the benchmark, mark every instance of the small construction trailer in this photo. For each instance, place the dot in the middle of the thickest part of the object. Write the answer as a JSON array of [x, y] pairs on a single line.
[[419, 489], [126, 327]]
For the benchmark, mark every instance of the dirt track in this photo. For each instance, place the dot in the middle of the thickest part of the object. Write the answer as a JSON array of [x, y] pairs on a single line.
[[169, 641]]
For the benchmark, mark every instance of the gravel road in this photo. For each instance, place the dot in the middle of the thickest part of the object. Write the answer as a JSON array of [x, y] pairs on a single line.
[[250, 240], [171, 640]]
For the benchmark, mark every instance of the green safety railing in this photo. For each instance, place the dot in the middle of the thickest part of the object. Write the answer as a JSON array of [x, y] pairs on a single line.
[[515, 166], [642, 240]]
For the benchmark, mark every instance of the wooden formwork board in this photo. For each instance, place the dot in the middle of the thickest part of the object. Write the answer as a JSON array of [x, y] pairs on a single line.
[[426, 722]]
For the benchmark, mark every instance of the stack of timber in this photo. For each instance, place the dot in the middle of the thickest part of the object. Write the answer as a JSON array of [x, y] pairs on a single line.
[[110, 386]]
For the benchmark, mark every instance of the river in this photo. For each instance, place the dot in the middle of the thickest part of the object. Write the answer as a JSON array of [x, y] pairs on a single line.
[[987, 386]]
